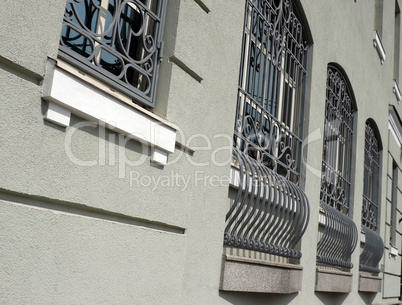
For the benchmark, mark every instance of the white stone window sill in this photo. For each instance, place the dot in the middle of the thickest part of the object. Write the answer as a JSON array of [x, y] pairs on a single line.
[[397, 91], [379, 47], [68, 93]]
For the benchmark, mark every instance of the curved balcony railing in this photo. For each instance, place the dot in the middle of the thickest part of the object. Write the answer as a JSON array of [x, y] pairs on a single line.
[[338, 240], [372, 252], [269, 214]]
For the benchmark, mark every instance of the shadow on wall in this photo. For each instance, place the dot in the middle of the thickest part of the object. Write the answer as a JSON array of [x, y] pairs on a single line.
[[331, 298], [244, 298], [367, 297]]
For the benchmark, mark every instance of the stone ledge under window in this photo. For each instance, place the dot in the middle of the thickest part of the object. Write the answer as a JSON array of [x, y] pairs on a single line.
[[67, 93], [369, 283], [260, 276], [333, 281]]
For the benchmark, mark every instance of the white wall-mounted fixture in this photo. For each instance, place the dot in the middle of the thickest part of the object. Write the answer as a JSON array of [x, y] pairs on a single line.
[[379, 46]]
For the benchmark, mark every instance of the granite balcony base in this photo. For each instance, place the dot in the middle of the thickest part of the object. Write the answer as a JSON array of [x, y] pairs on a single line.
[[369, 283], [252, 275], [333, 281]]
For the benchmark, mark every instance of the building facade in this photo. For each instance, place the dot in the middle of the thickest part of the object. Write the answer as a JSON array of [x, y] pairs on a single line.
[[200, 152]]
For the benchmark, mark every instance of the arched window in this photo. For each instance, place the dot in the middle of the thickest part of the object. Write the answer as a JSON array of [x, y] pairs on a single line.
[[336, 173], [373, 243], [338, 139], [371, 178], [270, 212]]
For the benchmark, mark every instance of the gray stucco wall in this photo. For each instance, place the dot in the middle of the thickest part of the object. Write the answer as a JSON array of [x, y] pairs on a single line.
[[73, 234]]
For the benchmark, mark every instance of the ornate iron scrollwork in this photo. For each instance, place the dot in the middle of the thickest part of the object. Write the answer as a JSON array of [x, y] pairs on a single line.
[[117, 41], [374, 245], [371, 179], [269, 109], [338, 139]]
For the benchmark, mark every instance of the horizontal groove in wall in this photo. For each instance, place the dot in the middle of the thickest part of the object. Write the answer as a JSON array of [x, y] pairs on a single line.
[[203, 6], [185, 68], [85, 211], [20, 71]]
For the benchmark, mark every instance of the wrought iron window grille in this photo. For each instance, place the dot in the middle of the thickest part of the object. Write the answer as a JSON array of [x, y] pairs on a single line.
[[270, 212], [338, 239], [338, 139], [371, 179], [271, 85], [116, 41], [374, 245], [394, 196]]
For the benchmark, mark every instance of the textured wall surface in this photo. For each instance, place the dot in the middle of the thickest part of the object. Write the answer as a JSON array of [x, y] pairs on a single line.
[[116, 232]]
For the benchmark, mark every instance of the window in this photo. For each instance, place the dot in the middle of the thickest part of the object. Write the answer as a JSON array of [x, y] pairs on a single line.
[[378, 28], [271, 87], [397, 41], [339, 228], [378, 16], [371, 178], [394, 196], [116, 46], [267, 132], [116, 41], [373, 243], [338, 139]]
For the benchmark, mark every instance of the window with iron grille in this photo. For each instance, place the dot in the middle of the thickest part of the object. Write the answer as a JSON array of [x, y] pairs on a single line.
[[116, 41], [270, 212], [394, 197], [373, 244], [338, 139], [337, 228], [269, 113], [371, 178]]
